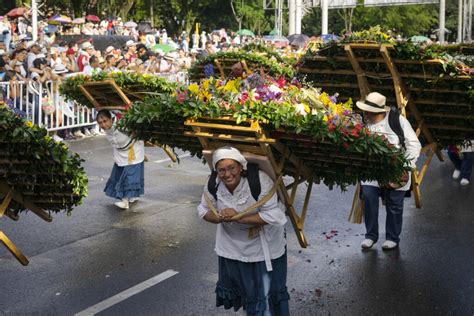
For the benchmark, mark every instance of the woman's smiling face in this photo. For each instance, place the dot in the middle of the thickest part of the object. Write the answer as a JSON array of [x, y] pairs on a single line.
[[229, 172]]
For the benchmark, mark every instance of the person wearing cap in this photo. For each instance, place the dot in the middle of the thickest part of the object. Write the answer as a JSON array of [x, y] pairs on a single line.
[[251, 250], [34, 51], [126, 181], [131, 53], [87, 50], [376, 114]]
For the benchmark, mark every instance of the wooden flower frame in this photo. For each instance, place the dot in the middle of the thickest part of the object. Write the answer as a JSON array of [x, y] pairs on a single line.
[[105, 95]]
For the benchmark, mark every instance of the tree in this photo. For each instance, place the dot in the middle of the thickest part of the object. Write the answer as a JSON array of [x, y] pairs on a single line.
[[251, 15]]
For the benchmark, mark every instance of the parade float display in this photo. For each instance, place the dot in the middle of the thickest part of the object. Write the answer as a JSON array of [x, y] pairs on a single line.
[[434, 90], [37, 174], [302, 132], [252, 58]]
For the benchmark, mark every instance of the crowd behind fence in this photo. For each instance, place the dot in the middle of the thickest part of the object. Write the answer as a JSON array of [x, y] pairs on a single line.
[[43, 105]]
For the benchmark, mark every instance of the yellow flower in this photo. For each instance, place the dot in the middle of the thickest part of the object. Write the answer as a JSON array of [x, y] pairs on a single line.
[[205, 95], [193, 88], [325, 118], [205, 84], [29, 123], [230, 86]]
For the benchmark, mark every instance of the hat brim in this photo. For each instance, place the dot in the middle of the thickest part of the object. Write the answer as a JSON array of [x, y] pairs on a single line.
[[368, 108]]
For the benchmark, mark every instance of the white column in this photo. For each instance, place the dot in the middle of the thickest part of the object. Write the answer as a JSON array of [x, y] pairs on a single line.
[[34, 20], [291, 16], [469, 26], [298, 16], [442, 13], [467, 22], [460, 11], [324, 18]]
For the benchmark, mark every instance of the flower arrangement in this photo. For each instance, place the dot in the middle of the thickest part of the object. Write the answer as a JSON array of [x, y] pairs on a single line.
[[429, 73], [271, 64], [41, 169], [282, 107], [136, 82]]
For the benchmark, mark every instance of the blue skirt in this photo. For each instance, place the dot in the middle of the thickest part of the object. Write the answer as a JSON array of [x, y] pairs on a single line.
[[245, 284], [126, 182]]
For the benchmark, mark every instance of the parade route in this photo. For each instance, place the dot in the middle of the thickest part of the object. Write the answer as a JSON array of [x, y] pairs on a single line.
[[106, 261]]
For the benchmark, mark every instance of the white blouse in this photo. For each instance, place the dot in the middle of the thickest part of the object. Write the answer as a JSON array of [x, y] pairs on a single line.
[[122, 145], [244, 242]]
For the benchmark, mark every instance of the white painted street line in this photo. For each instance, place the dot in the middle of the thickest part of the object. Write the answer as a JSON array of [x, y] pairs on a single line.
[[168, 159], [97, 308]]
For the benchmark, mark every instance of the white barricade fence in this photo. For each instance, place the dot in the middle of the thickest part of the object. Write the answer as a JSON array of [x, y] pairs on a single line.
[[43, 105]]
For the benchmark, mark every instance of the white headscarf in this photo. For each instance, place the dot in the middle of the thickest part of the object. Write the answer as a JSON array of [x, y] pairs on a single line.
[[228, 153]]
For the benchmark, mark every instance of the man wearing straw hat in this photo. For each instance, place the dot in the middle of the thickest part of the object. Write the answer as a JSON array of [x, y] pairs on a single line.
[[376, 114]]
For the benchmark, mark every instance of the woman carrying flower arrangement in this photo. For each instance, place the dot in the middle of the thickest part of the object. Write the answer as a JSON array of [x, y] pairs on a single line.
[[127, 180], [251, 249]]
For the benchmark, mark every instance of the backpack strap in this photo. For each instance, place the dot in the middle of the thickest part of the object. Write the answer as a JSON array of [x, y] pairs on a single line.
[[394, 123], [254, 180], [212, 184]]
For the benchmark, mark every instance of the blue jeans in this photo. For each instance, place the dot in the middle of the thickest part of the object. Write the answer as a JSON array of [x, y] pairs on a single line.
[[464, 165], [394, 208]]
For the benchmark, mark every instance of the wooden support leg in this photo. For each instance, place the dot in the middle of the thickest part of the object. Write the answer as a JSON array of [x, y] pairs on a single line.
[[13, 249], [416, 188]]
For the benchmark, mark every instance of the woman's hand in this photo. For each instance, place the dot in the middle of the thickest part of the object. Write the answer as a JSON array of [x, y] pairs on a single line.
[[227, 214]]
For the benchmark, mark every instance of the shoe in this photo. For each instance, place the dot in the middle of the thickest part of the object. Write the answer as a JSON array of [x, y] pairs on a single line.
[[57, 138], [87, 133], [78, 134], [367, 243], [464, 181], [389, 245], [456, 174], [122, 204], [132, 200]]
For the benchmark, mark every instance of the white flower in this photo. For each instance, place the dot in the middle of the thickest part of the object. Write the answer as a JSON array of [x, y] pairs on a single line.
[[274, 89], [300, 109]]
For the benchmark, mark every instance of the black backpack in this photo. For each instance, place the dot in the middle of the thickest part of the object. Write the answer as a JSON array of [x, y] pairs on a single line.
[[394, 123], [252, 177]]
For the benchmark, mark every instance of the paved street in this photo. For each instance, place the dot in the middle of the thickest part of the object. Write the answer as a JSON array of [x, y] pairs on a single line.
[[80, 261]]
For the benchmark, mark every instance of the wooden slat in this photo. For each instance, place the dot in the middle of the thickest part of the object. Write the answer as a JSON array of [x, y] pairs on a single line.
[[229, 137]]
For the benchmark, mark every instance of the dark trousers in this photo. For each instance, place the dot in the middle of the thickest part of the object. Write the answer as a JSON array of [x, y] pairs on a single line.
[[464, 165], [393, 206]]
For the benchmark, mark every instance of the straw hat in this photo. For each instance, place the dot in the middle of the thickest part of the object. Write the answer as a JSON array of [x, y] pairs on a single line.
[[130, 43], [59, 69], [374, 102], [86, 45]]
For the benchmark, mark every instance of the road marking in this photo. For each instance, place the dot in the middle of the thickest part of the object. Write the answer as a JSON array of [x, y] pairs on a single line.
[[97, 308], [169, 159]]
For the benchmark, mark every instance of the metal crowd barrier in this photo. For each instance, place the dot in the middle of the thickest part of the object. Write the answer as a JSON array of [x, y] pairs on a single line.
[[44, 106]]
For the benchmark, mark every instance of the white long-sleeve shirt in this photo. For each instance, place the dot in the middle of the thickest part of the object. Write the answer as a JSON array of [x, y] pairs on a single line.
[[122, 145], [412, 144], [232, 239]]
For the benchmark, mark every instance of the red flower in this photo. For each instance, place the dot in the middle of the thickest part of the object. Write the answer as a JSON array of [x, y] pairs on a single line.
[[244, 97], [355, 132], [181, 97], [345, 145], [281, 82], [332, 127]]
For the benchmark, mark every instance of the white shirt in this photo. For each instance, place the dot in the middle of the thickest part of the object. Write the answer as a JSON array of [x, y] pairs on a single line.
[[412, 144], [232, 239], [122, 145]]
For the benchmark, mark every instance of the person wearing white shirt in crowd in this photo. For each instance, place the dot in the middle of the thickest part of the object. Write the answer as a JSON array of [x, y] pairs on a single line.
[[251, 250], [34, 51], [22, 26], [93, 66], [376, 114], [126, 181]]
